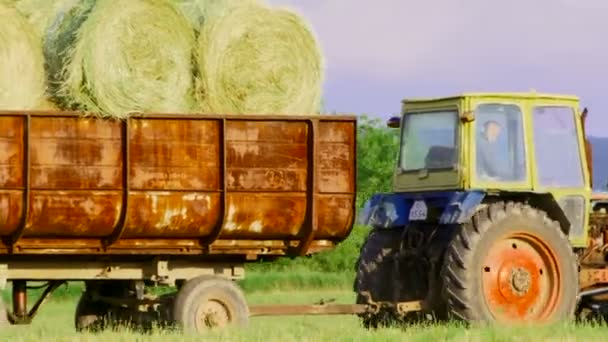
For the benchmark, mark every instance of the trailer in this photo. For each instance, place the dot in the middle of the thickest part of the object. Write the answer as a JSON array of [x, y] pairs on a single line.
[[168, 200]]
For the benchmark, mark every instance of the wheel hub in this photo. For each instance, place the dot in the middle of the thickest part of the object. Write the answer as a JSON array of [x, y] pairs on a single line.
[[520, 280], [213, 314]]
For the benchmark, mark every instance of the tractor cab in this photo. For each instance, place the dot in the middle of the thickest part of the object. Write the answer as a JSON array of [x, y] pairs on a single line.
[[490, 207], [464, 150]]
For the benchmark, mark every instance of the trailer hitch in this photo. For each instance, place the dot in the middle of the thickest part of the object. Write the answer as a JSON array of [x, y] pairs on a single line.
[[323, 308]]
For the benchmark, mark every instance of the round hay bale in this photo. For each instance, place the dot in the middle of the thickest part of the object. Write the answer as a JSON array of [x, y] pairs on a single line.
[[42, 13], [22, 78], [59, 40], [197, 11], [127, 56], [258, 60]]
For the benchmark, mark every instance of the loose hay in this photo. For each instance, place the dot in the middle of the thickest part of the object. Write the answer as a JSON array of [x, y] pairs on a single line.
[[128, 56], [42, 13], [258, 60], [22, 78], [197, 11]]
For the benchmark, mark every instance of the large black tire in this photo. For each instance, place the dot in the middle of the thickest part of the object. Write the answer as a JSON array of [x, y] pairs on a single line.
[[208, 302], [498, 265], [375, 274]]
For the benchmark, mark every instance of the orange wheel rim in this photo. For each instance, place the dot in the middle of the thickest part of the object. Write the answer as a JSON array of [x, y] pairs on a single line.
[[521, 279]]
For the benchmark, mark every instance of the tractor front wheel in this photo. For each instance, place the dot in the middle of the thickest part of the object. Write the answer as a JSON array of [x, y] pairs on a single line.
[[511, 264]]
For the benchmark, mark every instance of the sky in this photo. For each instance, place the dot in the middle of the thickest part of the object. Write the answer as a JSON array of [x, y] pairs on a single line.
[[379, 52]]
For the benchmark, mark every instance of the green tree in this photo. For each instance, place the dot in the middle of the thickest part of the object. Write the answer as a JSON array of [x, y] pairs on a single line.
[[377, 150]]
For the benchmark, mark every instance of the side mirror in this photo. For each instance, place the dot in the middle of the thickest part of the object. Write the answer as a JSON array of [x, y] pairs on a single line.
[[394, 122]]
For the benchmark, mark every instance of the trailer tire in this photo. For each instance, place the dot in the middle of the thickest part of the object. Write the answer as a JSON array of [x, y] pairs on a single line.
[[207, 302], [510, 264]]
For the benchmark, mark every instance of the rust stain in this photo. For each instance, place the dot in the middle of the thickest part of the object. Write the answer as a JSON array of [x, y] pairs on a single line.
[[263, 215], [73, 127], [266, 156], [336, 157], [175, 183], [334, 215], [336, 131], [267, 131], [174, 154], [258, 154], [11, 204], [11, 152], [273, 179], [72, 213], [75, 154], [171, 214]]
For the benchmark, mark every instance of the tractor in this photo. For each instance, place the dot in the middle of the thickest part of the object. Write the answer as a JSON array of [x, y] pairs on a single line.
[[491, 218]]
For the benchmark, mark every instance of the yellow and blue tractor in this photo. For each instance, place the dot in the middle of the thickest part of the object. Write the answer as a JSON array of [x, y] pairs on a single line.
[[492, 217]]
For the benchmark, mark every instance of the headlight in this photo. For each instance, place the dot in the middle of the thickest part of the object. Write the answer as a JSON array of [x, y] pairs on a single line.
[[383, 215], [378, 215]]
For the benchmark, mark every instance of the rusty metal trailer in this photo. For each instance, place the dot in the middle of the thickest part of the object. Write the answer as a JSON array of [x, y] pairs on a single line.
[[182, 200]]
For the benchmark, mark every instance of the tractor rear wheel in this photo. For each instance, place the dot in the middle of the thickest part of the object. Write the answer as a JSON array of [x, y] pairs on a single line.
[[511, 264], [376, 276]]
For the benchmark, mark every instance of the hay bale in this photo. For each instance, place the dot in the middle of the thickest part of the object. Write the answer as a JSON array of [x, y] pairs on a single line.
[[258, 60], [127, 56], [42, 13], [197, 11], [22, 78]]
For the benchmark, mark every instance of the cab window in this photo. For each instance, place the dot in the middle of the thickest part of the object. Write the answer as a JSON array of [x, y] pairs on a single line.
[[500, 152], [556, 148], [429, 141]]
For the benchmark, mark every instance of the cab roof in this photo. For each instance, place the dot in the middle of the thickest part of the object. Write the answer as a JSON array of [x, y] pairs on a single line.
[[505, 95]]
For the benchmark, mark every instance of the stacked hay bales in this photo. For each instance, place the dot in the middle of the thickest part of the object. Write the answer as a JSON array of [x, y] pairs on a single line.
[[116, 57], [198, 11], [256, 59], [42, 13], [128, 56], [22, 78]]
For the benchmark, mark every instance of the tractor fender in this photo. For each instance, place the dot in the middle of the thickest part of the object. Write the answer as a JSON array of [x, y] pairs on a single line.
[[391, 210], [542, 201]]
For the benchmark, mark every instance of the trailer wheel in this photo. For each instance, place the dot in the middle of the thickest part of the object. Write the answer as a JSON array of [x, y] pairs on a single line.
[[208, 302], [510, 264]]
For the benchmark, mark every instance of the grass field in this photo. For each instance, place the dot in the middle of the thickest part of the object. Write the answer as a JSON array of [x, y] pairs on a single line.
[[55, 323], [302, 280]]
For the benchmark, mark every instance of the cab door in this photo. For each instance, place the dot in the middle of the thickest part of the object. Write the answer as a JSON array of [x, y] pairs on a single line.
[[559, 159], [499, 151]]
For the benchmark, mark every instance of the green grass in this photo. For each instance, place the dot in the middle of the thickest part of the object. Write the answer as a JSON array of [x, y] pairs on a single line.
[[325, 276], [54, 323]]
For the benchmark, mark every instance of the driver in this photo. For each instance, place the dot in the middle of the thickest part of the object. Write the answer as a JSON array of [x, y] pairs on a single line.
[[488, 153]]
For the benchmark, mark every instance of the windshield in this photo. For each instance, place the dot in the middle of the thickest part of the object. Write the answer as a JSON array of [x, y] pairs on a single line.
[[429, 141]]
